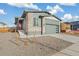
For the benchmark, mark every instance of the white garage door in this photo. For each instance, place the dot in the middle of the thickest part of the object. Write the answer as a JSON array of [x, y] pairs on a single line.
[[51, 27]]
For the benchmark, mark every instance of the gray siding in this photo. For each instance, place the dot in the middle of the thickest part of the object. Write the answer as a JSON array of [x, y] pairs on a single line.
[[36, 15], [34, 30], [24, 25], [52, 21]]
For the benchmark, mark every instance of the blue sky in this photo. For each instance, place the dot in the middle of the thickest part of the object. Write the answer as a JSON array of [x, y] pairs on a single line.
[[65, 11]]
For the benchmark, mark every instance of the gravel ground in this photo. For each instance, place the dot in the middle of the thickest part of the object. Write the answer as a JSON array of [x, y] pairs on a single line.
[[39, 46], [73, 34]]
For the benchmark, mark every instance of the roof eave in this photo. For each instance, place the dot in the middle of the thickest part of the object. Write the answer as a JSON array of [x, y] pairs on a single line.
[[24, 13]]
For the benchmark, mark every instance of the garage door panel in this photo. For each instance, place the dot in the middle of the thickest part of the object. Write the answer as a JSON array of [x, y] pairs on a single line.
[[50, 21], [50, 29], [51, 26]]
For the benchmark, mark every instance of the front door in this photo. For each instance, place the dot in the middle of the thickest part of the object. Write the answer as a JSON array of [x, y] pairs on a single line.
[[20, 25]]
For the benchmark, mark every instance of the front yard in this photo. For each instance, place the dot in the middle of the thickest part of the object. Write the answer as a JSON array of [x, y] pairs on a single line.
[[33, 46]]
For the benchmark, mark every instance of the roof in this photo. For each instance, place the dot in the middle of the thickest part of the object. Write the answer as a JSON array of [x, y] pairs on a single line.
[[35, 11], [16, 19], [72, 23], [67, 22], [75, 23]]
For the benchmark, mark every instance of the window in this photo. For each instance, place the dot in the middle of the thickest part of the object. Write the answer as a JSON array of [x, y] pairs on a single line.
[[36, 22]]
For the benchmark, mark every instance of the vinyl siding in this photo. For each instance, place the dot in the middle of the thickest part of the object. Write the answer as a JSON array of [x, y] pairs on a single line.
[[37, 29]]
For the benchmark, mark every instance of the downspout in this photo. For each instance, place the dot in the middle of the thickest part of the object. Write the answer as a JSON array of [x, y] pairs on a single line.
[[41, 26], [41, 17], [59, 27]]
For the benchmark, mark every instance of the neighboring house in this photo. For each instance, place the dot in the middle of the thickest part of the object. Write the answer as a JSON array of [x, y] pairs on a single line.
[[3, 27], [65, 27], [74, 25], [38, 22], [69, 26]]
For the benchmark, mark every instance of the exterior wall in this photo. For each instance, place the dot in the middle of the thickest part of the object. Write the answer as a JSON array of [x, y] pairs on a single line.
[[34, 29], [52, 20], [75, 27], [24, 25], [59, 26]]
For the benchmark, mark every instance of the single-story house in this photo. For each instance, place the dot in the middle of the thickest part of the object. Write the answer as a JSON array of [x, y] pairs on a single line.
[[38, 22]]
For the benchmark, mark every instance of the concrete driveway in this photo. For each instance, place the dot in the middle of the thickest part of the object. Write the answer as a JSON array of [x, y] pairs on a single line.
[[70, 38], [73, 50]]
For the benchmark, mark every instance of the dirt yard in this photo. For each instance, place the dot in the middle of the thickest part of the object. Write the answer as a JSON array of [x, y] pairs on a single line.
[[39, 46], [74, 33]]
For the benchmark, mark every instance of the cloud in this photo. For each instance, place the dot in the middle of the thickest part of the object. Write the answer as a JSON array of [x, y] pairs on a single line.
[[68, 4], [54, 9], [49, 7], [76, 16], [27, 5], [2, 12], [69, 18]]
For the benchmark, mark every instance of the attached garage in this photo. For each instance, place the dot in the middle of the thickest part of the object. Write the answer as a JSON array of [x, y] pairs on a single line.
[[51, 26]]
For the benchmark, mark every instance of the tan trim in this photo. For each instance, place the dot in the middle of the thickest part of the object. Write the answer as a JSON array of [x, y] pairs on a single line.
[[26, 23]]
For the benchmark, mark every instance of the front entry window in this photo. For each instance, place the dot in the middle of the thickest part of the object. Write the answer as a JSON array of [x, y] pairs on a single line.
[[36, 22]]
